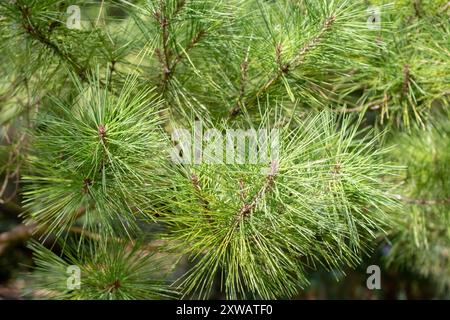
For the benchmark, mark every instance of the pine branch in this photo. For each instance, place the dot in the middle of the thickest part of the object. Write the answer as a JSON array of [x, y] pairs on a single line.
[[20, 233], [244, 78], [11, 208], [247, 208], [300, 57], [373, 106], [288, 67], [164, 24], [323, 183], [40, 36], [110, 166], [165, 56], [406, 79], [109, 270], [196, 39]]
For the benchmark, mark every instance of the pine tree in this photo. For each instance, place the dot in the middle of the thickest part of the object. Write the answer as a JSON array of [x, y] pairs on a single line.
[[98, 99]]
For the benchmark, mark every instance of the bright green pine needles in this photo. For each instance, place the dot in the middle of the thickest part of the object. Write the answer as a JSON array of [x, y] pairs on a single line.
[[315, 205], [96, 159], [395, 81], [95, 156], [100, 270]]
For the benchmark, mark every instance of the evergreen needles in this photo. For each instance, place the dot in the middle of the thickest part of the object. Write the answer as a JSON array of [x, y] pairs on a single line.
[[262, 226], [87, 113], [100, 271], [96, 158]]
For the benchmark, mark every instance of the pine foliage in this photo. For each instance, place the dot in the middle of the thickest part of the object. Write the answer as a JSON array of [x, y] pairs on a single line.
[[97, 157], [359, 101], [107, 271], [263, 225]]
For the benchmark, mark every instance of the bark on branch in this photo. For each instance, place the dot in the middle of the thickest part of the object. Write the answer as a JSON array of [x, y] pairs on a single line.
[[287, 67], [247, 208]]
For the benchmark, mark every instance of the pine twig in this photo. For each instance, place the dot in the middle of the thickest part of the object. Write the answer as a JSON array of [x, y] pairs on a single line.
[[244, 76], [247, 208], [191, 45], [164, 54], [23, 232], [20, 233], [374, 105], [38, 35], [11, 209], [406, 79], [298, 60]]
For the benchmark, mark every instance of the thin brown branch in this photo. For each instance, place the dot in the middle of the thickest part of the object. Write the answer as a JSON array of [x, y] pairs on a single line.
[[163, 53], [11, 209], [299, 59], [165, 38], [38, 35], [196, 39], [244, 76], [20, 233], [112, 69], [374, 105], [23, 232], [406, 79], [285, 68], [247, 208]]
